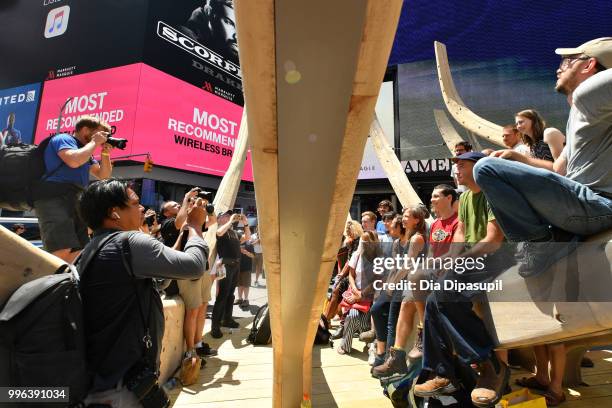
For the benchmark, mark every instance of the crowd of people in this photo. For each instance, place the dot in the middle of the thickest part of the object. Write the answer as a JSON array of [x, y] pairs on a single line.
[[505, 207], [511, 195]]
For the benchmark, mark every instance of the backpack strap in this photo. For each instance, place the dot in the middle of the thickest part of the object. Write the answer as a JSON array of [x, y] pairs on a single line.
[[147, 340], [89, 253]]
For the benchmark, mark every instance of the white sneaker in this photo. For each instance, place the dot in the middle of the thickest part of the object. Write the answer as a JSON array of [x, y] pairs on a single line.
[[372, 353]]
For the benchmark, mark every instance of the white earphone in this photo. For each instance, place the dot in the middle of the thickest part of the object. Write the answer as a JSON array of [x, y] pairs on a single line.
[[116, 216]]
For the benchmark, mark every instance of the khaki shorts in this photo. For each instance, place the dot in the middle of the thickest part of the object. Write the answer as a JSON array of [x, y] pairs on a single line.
[[195, 293]]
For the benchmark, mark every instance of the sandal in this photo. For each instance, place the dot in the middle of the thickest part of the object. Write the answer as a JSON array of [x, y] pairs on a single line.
[[341, 350], [531, 382], [552, 399]]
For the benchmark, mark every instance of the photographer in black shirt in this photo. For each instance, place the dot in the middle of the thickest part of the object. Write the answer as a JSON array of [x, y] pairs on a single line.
[[228, 248], [123, 314]]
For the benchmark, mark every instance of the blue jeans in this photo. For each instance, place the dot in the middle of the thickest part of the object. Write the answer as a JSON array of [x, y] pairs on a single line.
[[385, 313], [526, 200]]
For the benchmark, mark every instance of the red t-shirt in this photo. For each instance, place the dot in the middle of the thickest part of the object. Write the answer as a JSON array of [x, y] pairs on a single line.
[[441, 234]]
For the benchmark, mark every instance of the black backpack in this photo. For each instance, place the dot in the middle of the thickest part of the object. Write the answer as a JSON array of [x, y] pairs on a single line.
[[21, 167], [42, 338], [323, 335], [261, 333]]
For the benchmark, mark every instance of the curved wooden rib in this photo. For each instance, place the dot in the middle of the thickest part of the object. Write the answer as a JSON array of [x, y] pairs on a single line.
[[21, 262], [392, 166], [308, 124], [230, 183], [456, 106], [448, 132]]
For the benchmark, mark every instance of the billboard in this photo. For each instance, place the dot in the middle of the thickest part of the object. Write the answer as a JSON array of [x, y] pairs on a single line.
[[370, 166], [110, 95], [47, 39], [195, 41], [179, 125], [184, 127], [18, 113]]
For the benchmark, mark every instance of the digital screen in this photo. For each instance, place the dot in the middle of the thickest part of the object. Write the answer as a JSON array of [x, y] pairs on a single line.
[[18, 113]]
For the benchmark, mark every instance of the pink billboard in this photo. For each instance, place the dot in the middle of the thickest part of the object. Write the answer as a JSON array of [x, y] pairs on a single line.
[[184, 127], [110, 94], [178, 124]]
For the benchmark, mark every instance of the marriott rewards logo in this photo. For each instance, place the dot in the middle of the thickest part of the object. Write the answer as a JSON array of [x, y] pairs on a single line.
[[196, 49]]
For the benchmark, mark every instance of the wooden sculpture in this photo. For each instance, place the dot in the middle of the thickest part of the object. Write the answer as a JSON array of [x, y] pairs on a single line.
[[457, 107], [311, 74], [21, 262]]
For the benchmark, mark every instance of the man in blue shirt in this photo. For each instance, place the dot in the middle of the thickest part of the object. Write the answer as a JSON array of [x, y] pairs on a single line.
[[69, 162]]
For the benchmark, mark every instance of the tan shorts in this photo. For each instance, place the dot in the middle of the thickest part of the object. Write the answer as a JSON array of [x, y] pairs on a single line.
[[195, 293]]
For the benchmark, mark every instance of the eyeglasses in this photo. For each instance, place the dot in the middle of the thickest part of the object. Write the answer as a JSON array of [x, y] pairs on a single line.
[[566, 62]]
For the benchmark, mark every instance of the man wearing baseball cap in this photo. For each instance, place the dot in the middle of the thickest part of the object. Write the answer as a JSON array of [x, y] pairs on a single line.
[[451, 328], [540, 207]]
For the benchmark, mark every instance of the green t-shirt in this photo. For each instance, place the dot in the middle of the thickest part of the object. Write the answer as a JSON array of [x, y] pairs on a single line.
[[474, 213]]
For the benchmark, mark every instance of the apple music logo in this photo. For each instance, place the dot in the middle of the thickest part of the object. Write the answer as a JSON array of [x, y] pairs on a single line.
[[57, 21]]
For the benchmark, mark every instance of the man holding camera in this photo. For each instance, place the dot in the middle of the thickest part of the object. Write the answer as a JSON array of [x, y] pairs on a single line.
[[195, 293], [122, 311], [228, 248], [68, 164]]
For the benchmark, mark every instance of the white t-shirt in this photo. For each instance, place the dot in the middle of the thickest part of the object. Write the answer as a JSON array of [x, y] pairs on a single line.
[[522, 149], [355, 263], [256, 247]]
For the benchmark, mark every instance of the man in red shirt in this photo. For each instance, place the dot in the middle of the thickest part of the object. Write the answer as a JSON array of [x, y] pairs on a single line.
[[443, 228]]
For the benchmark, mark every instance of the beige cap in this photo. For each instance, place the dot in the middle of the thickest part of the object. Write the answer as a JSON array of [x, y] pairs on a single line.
[[599, 48]]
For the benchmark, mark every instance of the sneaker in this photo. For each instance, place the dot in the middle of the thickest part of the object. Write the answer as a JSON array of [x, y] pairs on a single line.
[[394, 366], [238, 302], [379, 359], [372, 354], [206, 351], [417, 349], [216, 332], [492, 381], [536, 257], [368, 336], [232, 324], [338, 333], [434, 387]]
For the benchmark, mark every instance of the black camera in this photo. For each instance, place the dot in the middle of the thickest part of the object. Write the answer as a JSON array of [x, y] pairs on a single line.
[[150, 220], [208, 196], [141, 379], [117, 142]]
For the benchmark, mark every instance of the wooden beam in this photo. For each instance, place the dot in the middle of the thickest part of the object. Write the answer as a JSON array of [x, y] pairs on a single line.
[[21, 262], [230, 183], [311, 89], [457, 107], [448, 132], [392, 166]]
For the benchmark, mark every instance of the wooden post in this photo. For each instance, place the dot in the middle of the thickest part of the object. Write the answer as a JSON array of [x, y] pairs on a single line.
[[21, 262], [311, 76]]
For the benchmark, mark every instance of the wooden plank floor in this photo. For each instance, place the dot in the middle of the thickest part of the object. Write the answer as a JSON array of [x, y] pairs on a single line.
[[241, 375]]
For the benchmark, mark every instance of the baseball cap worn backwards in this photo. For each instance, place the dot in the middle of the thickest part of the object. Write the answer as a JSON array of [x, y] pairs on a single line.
[[471, 156], [599, 48]]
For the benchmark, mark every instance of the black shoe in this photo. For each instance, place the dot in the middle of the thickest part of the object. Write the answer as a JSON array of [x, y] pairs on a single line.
[[232, 324], [537, 256], [238, 301], [206, 351], [216, 332], [244, 305]]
